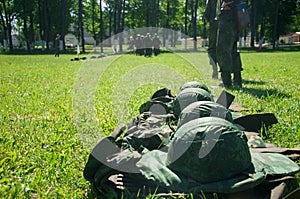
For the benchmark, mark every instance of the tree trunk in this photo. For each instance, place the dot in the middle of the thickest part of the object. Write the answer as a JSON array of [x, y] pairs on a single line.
[[110, 25], [275, 25], [94, 17], [167, 26], [63, 8], [41, 22], [11, 48], [119, 25], [80, 21], [31, 28], [115, 16], [4, 32], [26, 34], [185, 23], [46, 24], [195, 24], [101, 28], [253, 23], [155, 13], [8, 25]]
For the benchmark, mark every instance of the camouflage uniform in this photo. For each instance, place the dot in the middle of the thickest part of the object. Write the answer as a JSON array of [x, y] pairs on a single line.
[[210, 15], [228, 57], [148, 45], [138, 45], [156, 45], [207, 153], [57, 45]]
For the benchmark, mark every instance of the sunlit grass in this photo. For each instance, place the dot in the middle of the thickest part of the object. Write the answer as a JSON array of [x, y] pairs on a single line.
[[43, 100]]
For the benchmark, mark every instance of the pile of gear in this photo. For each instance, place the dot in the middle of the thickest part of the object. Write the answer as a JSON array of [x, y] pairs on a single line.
[[190, 146]]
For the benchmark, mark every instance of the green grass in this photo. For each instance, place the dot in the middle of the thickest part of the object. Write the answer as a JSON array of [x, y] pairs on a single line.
[[53, 111]]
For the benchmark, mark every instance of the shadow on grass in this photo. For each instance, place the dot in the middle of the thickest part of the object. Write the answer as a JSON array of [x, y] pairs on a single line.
[[253, 82], [260, 92], [281, 48], [264, 93]]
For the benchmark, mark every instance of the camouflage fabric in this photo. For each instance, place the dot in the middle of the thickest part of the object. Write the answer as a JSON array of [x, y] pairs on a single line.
[[194, 84], [208, 141], [188, 96], [274, 164], [227, 168], [256, 142], [160, 103], [148, 131], [228, 57], [206, 154], [203, 109], [210, 14]]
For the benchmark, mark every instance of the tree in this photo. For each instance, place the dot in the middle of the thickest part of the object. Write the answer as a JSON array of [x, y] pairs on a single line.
[[80, 25], [269, 18], [194, 21], [7, 17], [25, 13], [101, 27]]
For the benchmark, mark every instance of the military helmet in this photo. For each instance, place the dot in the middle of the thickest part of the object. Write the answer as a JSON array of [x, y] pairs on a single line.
[[194, 84], [187, 97], [203, 109], [209, 149], [211, 155]]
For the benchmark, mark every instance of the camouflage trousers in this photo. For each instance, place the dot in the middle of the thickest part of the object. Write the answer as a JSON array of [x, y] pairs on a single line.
[[212, 46], [227, 55]]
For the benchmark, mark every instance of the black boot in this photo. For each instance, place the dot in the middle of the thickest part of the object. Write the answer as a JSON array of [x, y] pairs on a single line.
[[226, 78], [237, 79]]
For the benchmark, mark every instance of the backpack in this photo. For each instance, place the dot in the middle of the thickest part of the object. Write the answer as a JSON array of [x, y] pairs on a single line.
[[242, 15]]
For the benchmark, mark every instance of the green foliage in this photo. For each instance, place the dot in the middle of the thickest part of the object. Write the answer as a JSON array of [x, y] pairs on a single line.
[[42, 155]]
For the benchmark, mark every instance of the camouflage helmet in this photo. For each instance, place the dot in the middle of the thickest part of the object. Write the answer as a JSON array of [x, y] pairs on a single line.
[[211, 154], [194, 84], [203, 109], [205, 142], [187, 97], [213, 151]]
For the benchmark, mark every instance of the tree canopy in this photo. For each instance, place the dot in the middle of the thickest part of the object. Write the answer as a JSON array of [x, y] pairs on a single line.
[[40, 20]]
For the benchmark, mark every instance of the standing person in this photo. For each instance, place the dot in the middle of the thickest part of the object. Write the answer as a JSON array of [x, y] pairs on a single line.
[[137, 44], [131, 44], [148, 45], [142, 49], [156, 44], [228, 56], [57, 45], [210, 15]]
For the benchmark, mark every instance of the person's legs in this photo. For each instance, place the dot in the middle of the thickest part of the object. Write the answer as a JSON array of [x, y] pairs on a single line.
[[237, 79], [214, 67], [226, 79], [212, 46], [225, 42], [237, 66]]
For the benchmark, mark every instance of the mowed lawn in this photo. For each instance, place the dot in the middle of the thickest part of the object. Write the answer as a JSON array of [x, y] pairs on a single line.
[[54, 110]]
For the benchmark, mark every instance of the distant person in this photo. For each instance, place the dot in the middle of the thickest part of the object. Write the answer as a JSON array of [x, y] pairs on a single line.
[[130, 43], [148, 45], [137, 44], [115, 44], [210, 15], [156, 44], [228, 57], [143, 48], [57, 45]]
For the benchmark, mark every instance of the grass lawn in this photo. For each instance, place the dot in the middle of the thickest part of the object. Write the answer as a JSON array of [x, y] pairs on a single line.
[[53, 111]]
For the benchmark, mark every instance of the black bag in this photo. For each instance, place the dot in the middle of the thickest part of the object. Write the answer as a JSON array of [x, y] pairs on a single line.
[[242, 13]]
